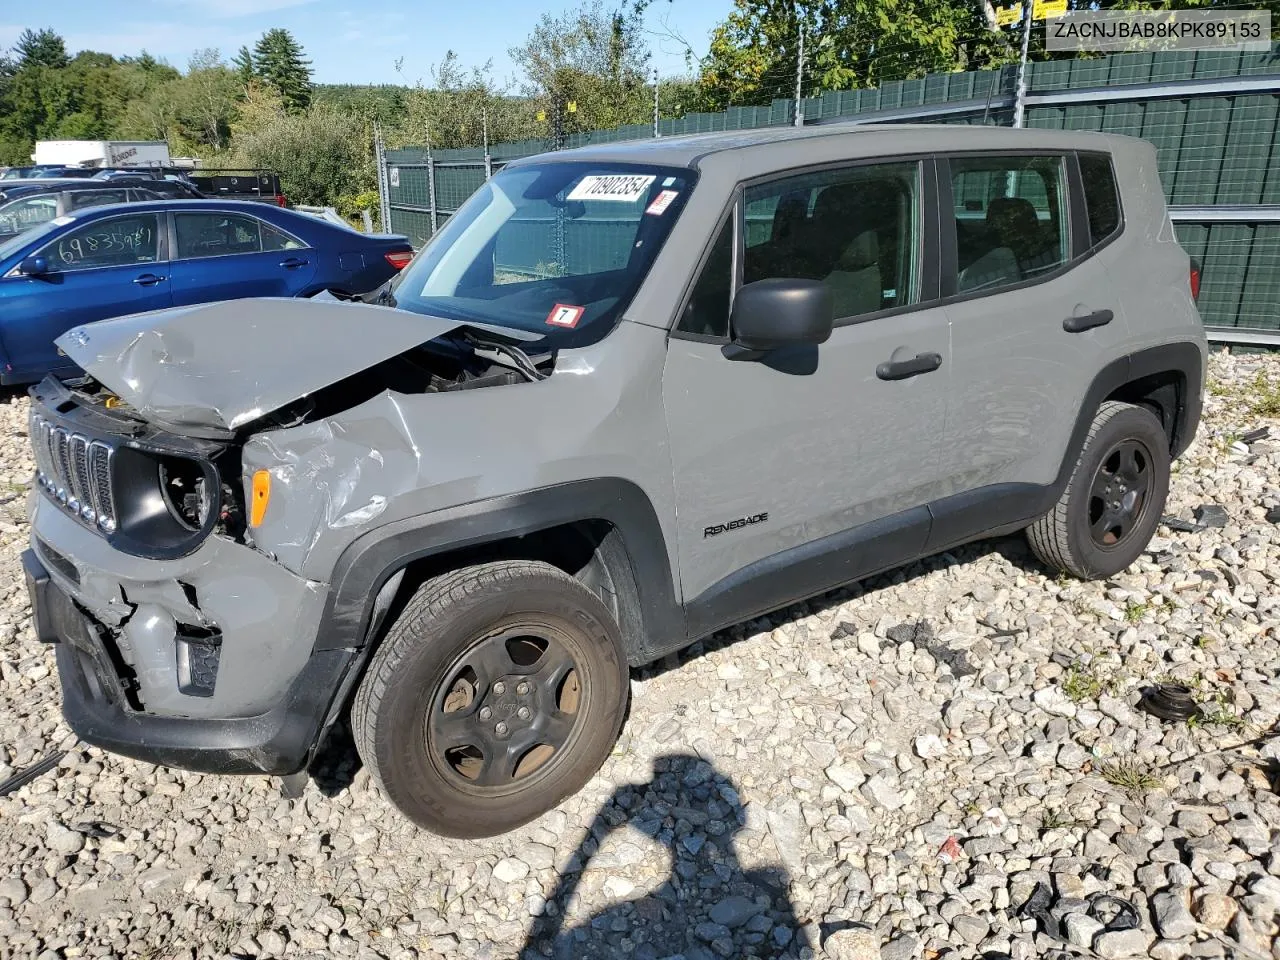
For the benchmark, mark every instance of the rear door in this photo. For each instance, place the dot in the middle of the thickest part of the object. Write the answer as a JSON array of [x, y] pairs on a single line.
[[1034, 318], [815, 462], [226, 256], [101, 269]]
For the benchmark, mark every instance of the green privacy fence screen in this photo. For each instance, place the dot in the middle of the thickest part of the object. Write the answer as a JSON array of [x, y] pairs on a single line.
[[1214, 118]]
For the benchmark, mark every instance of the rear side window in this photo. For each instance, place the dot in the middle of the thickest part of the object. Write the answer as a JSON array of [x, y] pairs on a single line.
[[273, 239], [1010, 219], [1100, 196], [95, 198], [223, 234]]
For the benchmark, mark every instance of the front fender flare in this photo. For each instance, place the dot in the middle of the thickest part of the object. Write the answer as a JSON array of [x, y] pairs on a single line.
[[372, 559]]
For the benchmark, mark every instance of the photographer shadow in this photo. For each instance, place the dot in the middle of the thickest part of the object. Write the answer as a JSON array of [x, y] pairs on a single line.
[[693, 812]]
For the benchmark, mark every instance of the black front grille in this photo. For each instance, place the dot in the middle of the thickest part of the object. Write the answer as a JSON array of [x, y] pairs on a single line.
[[75, 471]]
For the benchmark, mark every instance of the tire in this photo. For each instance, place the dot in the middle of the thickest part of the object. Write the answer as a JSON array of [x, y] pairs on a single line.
[[463, 663], [1108, 513]]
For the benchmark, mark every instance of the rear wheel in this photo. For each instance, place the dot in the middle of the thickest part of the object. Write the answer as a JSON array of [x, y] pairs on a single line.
[[497, 693], [1109, 511]]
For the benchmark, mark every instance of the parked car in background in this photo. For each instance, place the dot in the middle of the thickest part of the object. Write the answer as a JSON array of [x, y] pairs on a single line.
[[36, 170], [119, 259], [162, 187], [25, 204]]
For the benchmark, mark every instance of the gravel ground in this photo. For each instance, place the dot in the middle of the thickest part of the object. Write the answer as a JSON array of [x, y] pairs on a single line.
[[943, 762]]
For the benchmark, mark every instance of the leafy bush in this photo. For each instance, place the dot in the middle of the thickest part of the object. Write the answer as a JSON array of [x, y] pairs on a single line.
[[320, 154], [350, 206]]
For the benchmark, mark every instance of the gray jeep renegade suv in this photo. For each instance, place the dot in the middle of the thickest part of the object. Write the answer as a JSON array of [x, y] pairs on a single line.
[[627, 396]]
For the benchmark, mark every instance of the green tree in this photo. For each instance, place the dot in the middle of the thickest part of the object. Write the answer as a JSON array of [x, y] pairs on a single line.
[[206, 99], [848, 44], [42, 48], [592, 58], [277, 60], [452, 110], [242, 63]]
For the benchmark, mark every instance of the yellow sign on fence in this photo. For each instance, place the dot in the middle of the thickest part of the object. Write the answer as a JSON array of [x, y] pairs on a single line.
[[1047, 9], [1008, 15]]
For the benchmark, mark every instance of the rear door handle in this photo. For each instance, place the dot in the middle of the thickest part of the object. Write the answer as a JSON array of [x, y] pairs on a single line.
[[147, 280], [1099, 318], [291, 263], [901, 369]]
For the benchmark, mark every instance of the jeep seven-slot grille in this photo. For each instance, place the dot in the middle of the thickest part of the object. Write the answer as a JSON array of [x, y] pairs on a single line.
[[75, 471]]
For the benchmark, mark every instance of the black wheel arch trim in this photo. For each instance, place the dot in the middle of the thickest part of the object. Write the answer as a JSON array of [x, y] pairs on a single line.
[[1181, 357], [373, 558]]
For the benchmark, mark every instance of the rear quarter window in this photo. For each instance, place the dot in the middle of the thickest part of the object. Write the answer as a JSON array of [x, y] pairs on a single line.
[[1101, 196]]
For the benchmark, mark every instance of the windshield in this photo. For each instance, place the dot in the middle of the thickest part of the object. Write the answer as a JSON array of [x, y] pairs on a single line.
[[557, 249]]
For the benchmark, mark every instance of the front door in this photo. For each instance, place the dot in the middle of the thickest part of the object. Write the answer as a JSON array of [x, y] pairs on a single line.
[[225, 256], [105, 268], [810, 466]]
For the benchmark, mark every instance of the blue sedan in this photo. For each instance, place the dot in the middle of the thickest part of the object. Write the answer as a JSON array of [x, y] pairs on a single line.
[[113, 260]]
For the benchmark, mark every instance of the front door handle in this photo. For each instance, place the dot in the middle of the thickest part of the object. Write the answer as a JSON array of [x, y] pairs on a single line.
[[1099, 318], [901, 369], [148, 280], [292, 263]]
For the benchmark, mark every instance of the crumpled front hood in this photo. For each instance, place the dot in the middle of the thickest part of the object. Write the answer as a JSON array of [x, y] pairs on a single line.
[[218, 366]]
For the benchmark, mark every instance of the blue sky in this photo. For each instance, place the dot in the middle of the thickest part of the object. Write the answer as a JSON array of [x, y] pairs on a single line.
[[348, 41]]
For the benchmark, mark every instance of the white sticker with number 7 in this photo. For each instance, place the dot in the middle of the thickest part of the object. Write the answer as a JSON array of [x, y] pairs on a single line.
[[563, 315]]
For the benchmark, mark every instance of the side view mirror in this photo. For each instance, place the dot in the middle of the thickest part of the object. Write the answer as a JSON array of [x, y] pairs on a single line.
[[781, 311], [36, 266]]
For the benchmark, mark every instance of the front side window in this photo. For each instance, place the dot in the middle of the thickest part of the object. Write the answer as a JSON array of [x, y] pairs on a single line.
[[1010, 219], [119, 241], [556, 248], [23, 214], [707, 312], [857, 229], [1101, 197]]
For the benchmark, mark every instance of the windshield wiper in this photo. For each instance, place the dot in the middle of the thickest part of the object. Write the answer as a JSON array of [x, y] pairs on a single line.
[[519, 359]]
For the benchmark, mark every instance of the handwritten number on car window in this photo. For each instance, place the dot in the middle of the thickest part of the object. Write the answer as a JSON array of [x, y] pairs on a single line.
[[116, 238]]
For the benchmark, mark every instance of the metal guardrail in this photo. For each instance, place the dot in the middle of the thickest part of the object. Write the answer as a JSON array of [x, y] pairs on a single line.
[[1226, 213], [1243, 336]]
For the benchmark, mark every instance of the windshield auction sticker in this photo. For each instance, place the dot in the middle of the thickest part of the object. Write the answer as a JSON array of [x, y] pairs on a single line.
[[564, 315], [661, 202], [620, 188]]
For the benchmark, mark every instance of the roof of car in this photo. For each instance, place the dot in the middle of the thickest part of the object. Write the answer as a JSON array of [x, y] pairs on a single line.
[[52, 185], [855, 139], [191, 203]]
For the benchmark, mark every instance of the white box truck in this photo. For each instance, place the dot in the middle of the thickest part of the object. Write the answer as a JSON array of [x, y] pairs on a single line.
[[103, 153]]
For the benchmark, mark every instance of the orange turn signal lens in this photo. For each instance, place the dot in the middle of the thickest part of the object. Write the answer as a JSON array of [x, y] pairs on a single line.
[[261, 497]]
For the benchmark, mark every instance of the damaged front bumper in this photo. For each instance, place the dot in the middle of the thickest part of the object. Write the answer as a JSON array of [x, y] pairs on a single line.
[[204, 662]]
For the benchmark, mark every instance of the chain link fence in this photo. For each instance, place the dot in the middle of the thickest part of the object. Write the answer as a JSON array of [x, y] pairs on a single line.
[[1213, 116]]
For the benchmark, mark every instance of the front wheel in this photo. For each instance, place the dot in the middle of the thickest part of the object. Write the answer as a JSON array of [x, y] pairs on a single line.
[[1109, 511], [498, 692]]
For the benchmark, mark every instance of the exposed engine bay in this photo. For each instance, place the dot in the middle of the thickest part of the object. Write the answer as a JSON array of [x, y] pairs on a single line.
[[169, 490]]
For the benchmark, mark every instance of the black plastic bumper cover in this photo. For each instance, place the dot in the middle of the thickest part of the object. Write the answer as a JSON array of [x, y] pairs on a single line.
[[278, 742]]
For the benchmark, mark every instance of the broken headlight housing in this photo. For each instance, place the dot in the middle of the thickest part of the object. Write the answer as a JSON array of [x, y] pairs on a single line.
[[165, 503]]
